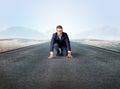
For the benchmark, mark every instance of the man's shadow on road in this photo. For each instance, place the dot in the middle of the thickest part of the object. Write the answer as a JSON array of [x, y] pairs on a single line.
[[76, 55]]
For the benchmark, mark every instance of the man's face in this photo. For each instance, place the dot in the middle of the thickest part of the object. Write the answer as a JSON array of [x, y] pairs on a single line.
[[59, 31]]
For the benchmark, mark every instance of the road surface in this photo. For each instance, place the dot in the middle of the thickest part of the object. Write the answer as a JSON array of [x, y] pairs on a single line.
[[30, 68]]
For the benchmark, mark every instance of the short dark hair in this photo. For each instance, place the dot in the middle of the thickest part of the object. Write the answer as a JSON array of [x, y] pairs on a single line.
[[59, 26]]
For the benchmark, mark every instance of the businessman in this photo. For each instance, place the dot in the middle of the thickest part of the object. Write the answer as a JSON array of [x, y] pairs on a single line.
[[60, 42]]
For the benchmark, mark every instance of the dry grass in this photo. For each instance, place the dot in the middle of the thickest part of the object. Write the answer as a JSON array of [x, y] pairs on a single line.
[[10, 44], [111, 45]]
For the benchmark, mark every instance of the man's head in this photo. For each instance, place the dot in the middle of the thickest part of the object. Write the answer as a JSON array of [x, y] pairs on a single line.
[[59, 29]]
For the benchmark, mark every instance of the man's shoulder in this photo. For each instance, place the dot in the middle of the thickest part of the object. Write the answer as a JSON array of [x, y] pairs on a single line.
[[64, 33], [54, 33]]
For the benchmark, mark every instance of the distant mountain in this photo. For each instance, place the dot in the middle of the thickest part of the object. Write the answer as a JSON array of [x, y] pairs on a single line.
[[21, 32], [104, 33]]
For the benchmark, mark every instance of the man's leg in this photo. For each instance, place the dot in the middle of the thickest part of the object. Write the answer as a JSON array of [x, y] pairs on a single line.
[[56, 46], [64, 51]]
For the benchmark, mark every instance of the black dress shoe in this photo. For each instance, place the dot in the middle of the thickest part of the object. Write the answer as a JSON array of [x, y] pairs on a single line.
[[58, 54], [61, 54]]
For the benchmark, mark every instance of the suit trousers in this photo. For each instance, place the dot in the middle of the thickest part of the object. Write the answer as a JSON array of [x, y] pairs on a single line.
[[62, 50]]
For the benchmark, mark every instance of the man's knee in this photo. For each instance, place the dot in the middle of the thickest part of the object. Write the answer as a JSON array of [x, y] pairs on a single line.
[[64, 51], [56, 45]]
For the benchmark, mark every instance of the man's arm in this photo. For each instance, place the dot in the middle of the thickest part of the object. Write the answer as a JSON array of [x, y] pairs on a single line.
[[68, 47], [68, 44], [52, 44], [51, 47]]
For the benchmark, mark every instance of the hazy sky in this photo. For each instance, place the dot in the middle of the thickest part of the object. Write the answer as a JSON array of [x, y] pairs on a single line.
[[75, 15]]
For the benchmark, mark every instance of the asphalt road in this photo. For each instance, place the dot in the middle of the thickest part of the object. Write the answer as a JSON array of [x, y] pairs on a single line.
[[30, 68]]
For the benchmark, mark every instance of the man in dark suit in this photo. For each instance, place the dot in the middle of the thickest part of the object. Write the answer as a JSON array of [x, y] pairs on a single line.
[[60, 42]]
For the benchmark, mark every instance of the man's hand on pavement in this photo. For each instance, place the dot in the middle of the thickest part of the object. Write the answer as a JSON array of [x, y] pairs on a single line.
[[52, 56], [69, 55]]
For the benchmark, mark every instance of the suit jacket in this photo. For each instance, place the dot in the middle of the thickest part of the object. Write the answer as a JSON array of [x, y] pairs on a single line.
[[64, 41]]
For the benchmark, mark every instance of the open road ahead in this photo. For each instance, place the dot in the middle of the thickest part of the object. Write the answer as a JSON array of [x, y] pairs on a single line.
[[30, 68]]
